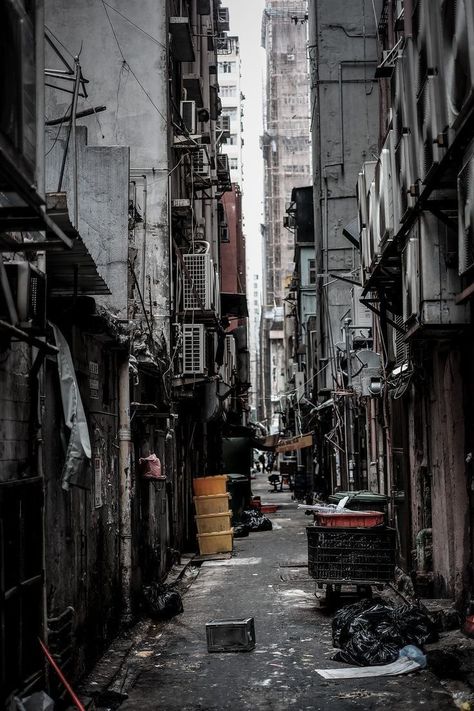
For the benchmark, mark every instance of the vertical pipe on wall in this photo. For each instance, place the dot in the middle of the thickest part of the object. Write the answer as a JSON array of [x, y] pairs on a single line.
[[125, 484]]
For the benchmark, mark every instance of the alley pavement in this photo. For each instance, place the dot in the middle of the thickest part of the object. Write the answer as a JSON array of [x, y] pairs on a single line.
[[265, 578]]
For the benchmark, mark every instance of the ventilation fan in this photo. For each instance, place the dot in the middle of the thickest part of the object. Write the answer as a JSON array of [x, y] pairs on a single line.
[[466, 217]]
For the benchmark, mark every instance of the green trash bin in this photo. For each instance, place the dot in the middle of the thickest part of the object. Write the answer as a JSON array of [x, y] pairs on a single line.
[[239, 490], [362, 501]]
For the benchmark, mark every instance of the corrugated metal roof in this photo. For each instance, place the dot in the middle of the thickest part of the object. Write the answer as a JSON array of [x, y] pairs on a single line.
[[73, 270]]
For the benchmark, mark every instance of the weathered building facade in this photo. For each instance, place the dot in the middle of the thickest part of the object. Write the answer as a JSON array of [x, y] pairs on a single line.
[[414, 209], [119, 369], [287, 164], [383, 368]]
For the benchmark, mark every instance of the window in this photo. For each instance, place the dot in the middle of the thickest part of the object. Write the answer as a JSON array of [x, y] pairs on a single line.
[[230, 112], [227, 67], [234, 163], [232, 139], [228, 90], [312, 271]]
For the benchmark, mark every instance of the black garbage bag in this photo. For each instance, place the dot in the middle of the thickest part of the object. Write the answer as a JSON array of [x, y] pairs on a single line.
[[373, 632], [415, 624], [264, 524], [367, 648], [241, 530], [255, 520], [369, 636], [345, 616], [161, 601]]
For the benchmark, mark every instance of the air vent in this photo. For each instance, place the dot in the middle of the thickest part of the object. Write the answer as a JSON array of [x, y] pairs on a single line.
[[197, 280], [201, 164], [193, 349]]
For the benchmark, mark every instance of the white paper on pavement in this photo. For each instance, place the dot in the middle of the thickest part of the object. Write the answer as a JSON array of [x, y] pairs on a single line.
[[401, 666]]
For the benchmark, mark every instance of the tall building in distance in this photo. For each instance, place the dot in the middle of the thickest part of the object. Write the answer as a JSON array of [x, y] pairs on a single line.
[[232, 104], [287, 165], [285, 143]]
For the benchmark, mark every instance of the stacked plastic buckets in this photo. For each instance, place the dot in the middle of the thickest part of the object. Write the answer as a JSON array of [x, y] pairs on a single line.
[[213, 516]]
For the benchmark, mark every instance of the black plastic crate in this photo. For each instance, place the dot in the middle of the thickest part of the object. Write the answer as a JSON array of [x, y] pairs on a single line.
[[351, 555]]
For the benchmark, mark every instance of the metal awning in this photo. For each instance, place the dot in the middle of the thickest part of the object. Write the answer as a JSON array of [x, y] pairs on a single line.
[[234, 305], [180, 31], [70, 271], [351, 232]]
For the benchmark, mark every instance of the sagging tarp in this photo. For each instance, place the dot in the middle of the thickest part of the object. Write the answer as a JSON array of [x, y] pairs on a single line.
[[79, 445]]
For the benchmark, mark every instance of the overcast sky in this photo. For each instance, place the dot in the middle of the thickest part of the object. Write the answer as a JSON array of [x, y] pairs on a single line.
[[246, 21]]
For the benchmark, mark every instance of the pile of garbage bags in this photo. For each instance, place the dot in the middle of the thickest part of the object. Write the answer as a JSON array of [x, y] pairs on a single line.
[[251, 520], [161, 601], [372, 632]]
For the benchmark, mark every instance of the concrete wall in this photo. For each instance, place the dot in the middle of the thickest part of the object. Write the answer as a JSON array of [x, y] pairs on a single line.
[[135, 94], [103, 179], [344, 110]]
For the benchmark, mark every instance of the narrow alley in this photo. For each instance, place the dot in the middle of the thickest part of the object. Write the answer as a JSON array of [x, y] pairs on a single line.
[[236, 261], [266, 577]]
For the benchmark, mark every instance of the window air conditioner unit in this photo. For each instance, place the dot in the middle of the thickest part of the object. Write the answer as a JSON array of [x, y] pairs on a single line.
[[200, 163], [187, 109], [194, 361], [198, 280], [28, 288], [18, 107]]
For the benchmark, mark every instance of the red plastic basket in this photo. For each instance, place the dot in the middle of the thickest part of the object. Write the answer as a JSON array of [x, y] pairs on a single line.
[[358, 519]]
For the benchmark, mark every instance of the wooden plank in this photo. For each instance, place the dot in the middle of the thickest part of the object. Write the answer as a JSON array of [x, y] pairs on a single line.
[[299, 442]]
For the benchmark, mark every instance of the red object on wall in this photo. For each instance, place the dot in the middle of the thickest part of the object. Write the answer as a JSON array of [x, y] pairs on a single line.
[[151, 467]]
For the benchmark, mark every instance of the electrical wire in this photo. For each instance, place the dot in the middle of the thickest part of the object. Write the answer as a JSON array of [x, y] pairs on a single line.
[[59, 129], [125, 63], [127, 19]]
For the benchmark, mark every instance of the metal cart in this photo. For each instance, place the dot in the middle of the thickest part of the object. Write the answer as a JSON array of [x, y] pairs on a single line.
[[360, 557]]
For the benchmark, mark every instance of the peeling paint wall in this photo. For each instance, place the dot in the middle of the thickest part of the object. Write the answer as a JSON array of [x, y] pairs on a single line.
[[82, 542]]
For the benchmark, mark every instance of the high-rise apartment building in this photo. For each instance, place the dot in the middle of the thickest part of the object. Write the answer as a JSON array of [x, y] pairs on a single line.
[[287, 164], [285, 143], [232, 106]]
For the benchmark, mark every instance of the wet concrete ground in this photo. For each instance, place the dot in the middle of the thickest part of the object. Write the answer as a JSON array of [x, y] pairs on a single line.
[[267, 578]]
